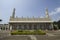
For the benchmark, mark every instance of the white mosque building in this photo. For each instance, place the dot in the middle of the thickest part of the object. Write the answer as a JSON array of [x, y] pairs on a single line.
[[16, 23]]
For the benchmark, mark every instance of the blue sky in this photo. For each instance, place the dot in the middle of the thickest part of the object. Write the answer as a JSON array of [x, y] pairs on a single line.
[[29, 8]]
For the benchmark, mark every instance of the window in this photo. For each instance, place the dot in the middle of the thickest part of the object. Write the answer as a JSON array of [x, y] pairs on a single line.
[[25, 26], [30, 27], [35, 27], [14, 27], [20, 27]]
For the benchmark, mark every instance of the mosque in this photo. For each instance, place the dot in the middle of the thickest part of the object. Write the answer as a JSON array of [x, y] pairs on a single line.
[[21, 23]]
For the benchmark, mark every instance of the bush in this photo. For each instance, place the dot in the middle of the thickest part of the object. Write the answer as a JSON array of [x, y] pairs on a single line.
[[28, 32], [20, 31]]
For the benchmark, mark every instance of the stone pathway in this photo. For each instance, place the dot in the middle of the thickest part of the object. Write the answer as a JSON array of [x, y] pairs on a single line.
[[4, 34], [49, 34], [32, 37]]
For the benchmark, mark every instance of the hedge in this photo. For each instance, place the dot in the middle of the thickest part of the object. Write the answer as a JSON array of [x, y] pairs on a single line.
[[28, 32]]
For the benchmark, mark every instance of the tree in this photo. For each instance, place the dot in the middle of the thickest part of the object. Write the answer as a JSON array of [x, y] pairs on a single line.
[[55, 25], [58, 23], [0, 20]]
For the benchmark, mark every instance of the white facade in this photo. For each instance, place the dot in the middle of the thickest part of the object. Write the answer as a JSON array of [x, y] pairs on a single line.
[[33, 23]]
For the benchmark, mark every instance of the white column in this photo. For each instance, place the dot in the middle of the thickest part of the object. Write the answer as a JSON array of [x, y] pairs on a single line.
[[10, 27], [32, 26], [45, 27], [27, 26], [21, 26], [17, 27], [37, 26], [52, 25]]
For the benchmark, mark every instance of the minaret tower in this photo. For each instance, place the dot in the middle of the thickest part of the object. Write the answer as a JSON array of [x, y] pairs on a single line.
[[13, 14], [46, 12]]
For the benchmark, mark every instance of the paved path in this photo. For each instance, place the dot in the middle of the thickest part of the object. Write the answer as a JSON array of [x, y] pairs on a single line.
[[4, 33], [32, 37], [51, 35]]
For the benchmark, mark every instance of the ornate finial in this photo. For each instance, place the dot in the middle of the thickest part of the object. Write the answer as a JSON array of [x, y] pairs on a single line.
[[13, 15], [47, 15]]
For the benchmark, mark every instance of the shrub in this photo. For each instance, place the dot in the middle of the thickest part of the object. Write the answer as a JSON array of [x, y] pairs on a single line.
[[20, 30], [28, 32]]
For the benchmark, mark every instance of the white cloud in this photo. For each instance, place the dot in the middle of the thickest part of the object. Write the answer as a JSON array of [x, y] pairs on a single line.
[[56, 11]]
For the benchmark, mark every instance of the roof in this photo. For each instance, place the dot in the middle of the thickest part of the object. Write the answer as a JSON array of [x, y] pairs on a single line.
[[22, 20]]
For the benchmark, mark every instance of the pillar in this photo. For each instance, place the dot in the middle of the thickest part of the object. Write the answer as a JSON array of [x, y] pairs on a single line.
[[10, 27], [52, 26], [32, 26], [17, 27], [27, 27], [38, 26], [45, 27], [22, 27]]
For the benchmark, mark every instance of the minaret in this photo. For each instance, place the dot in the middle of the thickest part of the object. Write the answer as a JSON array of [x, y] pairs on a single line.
[[46, 12], [13, 14]]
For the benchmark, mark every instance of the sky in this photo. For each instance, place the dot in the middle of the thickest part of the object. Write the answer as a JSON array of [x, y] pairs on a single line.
[[29, 8]]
